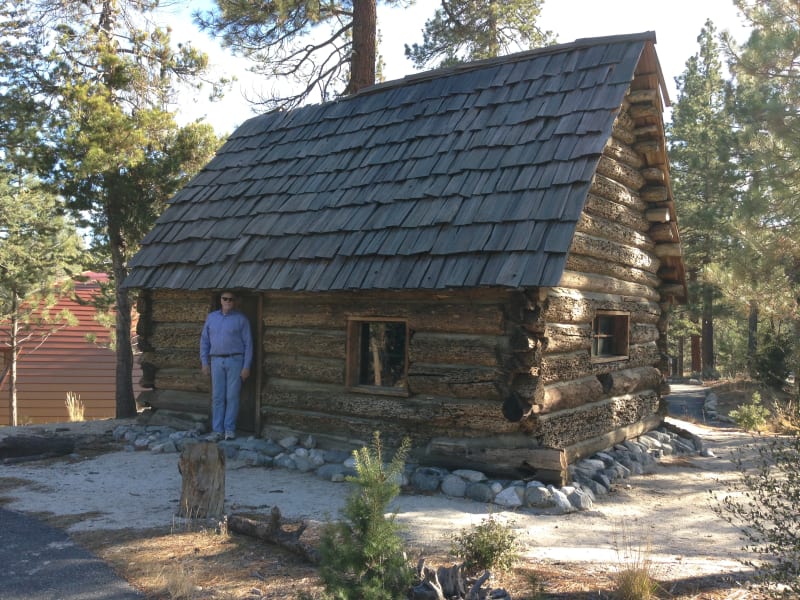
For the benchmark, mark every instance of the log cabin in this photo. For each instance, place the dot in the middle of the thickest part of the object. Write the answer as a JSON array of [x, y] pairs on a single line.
[[481, 258]]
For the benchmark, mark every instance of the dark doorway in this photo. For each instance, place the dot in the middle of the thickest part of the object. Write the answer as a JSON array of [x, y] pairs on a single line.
[[248, 408]]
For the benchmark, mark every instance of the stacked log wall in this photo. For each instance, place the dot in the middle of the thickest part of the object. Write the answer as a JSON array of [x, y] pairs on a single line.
[[168, 333], [458, 362], [613, 265], [461, 362]]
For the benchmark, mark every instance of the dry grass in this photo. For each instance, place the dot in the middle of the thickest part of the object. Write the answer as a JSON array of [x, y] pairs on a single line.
[[201, 563], [179, 581], [75, 407], [635, 578]]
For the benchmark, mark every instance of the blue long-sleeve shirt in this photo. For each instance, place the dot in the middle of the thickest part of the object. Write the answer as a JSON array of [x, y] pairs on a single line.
[[226, 334]]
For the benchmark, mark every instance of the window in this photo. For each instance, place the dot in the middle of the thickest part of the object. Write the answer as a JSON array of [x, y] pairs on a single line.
[[610, 335], [377, 353]]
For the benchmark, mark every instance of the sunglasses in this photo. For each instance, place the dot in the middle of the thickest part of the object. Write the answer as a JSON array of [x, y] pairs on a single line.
[[228, 299]]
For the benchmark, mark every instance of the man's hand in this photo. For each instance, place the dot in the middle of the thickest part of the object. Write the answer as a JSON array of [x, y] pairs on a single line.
[[245, 374], [206, 370]]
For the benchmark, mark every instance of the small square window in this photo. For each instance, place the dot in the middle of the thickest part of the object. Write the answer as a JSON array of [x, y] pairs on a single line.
[[610, 335], [377, 352]]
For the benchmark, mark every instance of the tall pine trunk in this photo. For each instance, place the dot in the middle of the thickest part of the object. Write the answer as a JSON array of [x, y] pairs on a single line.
[[362, 65], [694, 340], [709, 366], [124, 400], [752, 337], [13, 416], [125, 403]]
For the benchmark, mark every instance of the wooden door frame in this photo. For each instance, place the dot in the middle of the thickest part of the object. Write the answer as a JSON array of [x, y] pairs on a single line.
[[255, 369], [258, 352]]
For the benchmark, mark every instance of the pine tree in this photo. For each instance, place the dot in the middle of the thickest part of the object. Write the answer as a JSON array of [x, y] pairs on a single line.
[[469, 30], [38, 247], [323, 48], [704, 177], [23, 106], [767, 77], [108, 78], [362, 555]]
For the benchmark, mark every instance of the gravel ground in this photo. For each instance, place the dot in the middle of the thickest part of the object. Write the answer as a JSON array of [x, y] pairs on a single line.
[[667, 513]]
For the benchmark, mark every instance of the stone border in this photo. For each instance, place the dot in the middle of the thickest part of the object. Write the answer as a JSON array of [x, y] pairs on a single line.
[[592, 477]]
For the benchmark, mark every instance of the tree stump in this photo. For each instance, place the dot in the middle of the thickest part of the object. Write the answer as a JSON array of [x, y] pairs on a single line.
[[202, 467]]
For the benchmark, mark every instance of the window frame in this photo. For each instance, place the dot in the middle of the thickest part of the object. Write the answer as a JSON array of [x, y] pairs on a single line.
[[620, 338], [353, 360]]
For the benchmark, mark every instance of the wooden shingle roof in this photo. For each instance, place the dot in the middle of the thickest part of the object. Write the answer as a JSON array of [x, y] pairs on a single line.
[[470, 176]]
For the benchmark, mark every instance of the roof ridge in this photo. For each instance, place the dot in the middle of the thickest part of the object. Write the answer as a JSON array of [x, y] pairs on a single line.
[[498, 60]]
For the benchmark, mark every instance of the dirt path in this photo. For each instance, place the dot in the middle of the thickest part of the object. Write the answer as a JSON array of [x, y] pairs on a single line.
[[667, 511]]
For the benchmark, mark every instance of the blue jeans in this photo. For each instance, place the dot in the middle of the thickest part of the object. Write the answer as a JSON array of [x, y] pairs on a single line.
[[226, 384]]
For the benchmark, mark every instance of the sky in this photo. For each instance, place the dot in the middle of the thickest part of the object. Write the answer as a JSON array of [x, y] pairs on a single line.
[[676, 25]]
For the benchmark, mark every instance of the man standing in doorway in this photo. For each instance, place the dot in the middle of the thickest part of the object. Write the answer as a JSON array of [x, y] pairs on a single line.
[[226, 350]]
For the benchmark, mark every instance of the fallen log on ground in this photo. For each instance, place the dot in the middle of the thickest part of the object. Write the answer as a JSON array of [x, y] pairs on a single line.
[[16, 448], [276, 531]]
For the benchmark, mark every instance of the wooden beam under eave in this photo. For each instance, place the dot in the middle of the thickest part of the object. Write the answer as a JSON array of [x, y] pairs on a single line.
[[654, 193], [644, 111], [663, 232], [666, 250], [652, 150], [672, 290], [654, 175], [647, 131], [658, 215], [669, 274], [643, 96]]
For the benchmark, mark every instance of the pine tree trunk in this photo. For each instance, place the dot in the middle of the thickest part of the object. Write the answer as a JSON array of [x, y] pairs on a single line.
[[752, 337], [124, 399], [12, 390], [694, 340], [696, 361], [709, 366], [362, 63]]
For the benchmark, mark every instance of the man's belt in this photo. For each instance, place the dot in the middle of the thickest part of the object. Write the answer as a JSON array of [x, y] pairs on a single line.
[[225, 355]]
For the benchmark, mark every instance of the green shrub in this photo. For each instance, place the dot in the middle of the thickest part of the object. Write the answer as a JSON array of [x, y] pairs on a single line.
[[771, 362], [362, 555], [752, 416], [488, 545], [762, 504]]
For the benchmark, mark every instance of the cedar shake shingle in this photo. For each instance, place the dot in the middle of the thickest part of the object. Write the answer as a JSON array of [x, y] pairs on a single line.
[[473, 175]]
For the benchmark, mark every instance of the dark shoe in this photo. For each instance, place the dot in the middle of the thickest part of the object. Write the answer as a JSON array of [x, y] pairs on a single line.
[[214, 436]]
